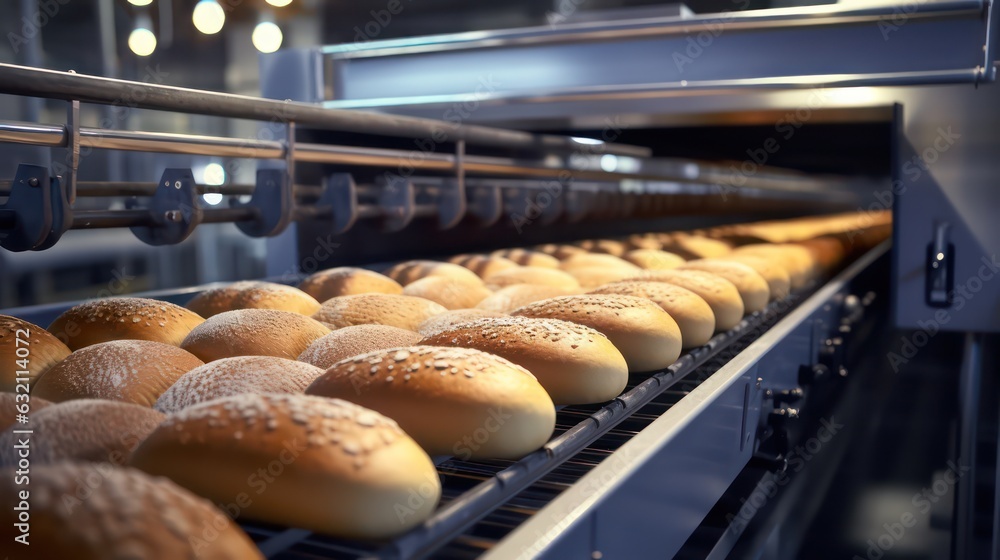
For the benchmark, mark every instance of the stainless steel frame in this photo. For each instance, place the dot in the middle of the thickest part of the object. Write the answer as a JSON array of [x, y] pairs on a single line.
[[646, 499]]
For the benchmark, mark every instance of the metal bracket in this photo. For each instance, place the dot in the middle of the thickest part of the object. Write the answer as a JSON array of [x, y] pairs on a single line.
[[485, 204], [397, 197], [174, 209], [340, 196], [73, 144], [450, 202], [29, 215], [273, 201]]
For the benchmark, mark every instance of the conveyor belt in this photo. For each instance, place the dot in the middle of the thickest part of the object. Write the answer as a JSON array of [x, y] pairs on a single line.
[[482, 501]]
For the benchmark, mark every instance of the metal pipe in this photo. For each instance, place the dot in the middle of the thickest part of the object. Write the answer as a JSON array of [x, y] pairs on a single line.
[[21, 80]]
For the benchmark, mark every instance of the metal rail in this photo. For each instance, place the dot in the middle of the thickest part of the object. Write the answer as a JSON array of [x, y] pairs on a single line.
[[36, 82]]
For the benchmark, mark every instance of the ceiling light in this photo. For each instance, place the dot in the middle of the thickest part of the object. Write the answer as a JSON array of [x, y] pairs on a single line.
[[142, 41], [208, 17], [140, 2], [279, 3], [267, 37]]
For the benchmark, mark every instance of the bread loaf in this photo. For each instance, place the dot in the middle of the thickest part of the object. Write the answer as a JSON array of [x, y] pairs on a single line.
[[798, 261], [81, 430], [253, 332], [752, 287], [87, 511], [124, 318], [526, 257], [652, 259], [405, 312], [324, 465], [483, 265], [648, 338], [607, 246], [235, 376], [348, 281], [594, 276], [354, 340], [779, 284], [411, 271], [560, 252], [26, 351], [693, 315], [452, 401], [510, 298], [694, 246], [132, 371], [532, 275], [253, 295], [591, 260], [720, 294], [575, 364], [448, 292], [448, 320]]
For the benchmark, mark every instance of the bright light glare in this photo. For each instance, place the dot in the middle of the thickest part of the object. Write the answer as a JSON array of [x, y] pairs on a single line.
[[591, 141], [279, 3], [212, 199], [609, 163], [142, 41], [208, 17], [214, 175], [267, 37], [140, 2]]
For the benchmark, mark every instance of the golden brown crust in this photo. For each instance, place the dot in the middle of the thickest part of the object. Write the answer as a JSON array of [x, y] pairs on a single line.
[[510, 298], [124, 318], [574, 363], [644, 241], [693, 315], [411, 271], [591, 277], [641, 330], [132, 371], [483, 265], [452, 401], [253, 295], [93, 511], [235, 376], [448, 292], [12, 404], [694, 246], [347, 281], [405, 312], [81, 430], [720, 294], [605, 246], [591, 260], [532, 275], [752, 286], [40, 350], [652, 259], [527, 257], [324, 465], [779, 283], [450, 319], [354, 340], [253, 332], [797, 260]]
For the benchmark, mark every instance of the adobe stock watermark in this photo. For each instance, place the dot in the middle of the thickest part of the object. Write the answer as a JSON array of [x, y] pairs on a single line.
[[912, 171], [380, 20], [901, 14], [32, 24], [798, 458], [964, 292], [551, 190], [922, 502], [785, 128], [698, 43]]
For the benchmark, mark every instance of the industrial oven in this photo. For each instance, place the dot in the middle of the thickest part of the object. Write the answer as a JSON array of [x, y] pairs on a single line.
[[374, 152]]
